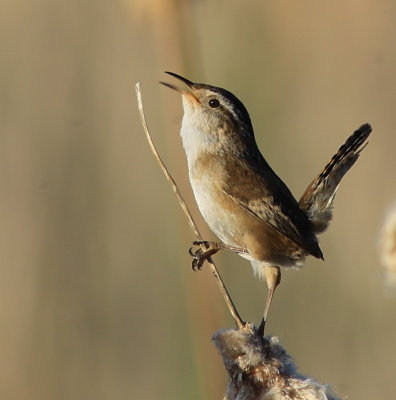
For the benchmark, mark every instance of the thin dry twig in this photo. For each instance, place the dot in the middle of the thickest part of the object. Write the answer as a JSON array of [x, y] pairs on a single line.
[[193, 226]]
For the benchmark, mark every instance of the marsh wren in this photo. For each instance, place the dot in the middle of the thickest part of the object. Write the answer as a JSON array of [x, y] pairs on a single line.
[[241, 198]]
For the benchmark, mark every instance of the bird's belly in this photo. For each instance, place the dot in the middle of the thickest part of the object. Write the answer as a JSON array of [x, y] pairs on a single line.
[[222, 222]]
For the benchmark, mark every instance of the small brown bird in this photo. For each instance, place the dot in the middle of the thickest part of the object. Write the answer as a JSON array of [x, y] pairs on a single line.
[[241, 198]]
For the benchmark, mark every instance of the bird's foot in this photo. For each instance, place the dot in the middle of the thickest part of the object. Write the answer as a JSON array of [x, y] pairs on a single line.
[[200, 256]]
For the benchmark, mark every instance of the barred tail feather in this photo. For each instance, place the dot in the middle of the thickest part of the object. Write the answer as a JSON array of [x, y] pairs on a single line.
[[317, 200]]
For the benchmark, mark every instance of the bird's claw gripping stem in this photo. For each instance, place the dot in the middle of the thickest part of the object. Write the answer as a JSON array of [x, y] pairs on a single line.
[[200, 256], [207, 249]]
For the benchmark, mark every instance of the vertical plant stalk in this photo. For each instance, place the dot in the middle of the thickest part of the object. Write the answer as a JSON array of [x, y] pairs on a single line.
[[223, 290]]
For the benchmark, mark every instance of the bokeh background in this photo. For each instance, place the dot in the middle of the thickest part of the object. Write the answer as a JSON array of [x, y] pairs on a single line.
[[97, 298]]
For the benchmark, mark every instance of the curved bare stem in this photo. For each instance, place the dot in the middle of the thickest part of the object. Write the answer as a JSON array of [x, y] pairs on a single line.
[[191, 222]]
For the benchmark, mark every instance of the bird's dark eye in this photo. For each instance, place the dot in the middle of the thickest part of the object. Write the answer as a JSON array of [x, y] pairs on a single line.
[[214, 103]]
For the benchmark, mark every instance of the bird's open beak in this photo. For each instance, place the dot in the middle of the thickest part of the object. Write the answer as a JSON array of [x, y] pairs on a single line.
[[188, 94]]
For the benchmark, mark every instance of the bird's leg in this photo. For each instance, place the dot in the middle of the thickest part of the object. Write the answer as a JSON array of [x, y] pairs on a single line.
[[199, 256], [273, 278], [219, 246]]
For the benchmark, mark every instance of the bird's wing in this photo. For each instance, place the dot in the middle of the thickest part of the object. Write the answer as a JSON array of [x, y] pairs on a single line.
[[317, 200], [262, 194]]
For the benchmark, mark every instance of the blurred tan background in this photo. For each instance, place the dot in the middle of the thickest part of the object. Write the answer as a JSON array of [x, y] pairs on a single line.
[[97, 298]]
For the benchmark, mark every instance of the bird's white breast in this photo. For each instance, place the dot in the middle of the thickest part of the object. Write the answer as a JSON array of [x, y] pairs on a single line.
[[195, 143]]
